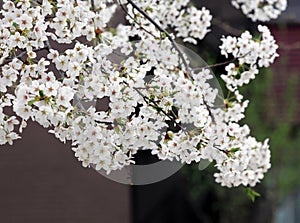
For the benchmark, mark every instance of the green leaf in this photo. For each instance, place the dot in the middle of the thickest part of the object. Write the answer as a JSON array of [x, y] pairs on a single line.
[[47, 100], [15, 25], [163, 35], [157, 108], [149, 9], [117, 129], [232, 137], [233, 150], [252, 194], [30, 103], [41, 93], [173, 93], [152, 97]]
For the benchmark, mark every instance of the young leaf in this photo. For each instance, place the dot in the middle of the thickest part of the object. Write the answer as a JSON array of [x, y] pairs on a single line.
[[252, 194]]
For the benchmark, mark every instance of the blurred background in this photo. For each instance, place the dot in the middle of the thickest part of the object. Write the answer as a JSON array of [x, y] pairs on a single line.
[[41, 181]]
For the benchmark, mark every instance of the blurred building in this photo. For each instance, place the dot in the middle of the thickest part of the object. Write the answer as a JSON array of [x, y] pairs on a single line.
[[287, 33]]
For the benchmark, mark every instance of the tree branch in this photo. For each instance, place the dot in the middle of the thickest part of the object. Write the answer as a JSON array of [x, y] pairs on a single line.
[[162, 30], [219, 64], [148, 100], [124, 9], [226, 27], [20, 56], [93, 5]]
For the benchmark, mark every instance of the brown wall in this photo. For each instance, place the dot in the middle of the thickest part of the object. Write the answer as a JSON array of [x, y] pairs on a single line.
[[41, 181]]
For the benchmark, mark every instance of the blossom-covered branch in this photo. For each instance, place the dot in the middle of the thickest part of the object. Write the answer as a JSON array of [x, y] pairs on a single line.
[[151, 102]]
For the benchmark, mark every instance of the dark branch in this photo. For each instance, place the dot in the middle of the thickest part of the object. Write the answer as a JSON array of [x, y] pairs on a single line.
[[20, 56], [219, 64], [226, 27], [162, 30], [125, 10], [93, 5]]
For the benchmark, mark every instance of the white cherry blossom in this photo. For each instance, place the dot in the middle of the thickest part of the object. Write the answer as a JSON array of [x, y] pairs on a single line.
[[152, 97], [261, 10]]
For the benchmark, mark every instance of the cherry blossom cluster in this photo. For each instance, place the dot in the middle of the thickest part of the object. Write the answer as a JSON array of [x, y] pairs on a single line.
[[7, 123], [244, 160], [154, 98], [261, 10], [250, 53], [189, 23], [120, 131], [248, 159]]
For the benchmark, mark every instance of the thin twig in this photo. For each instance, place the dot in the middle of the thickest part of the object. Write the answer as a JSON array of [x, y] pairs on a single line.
[[147, 100], [225, 62], [93, 5], [20, 56], [141, 27], [162, 30], [226, 27], [218, 64]]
